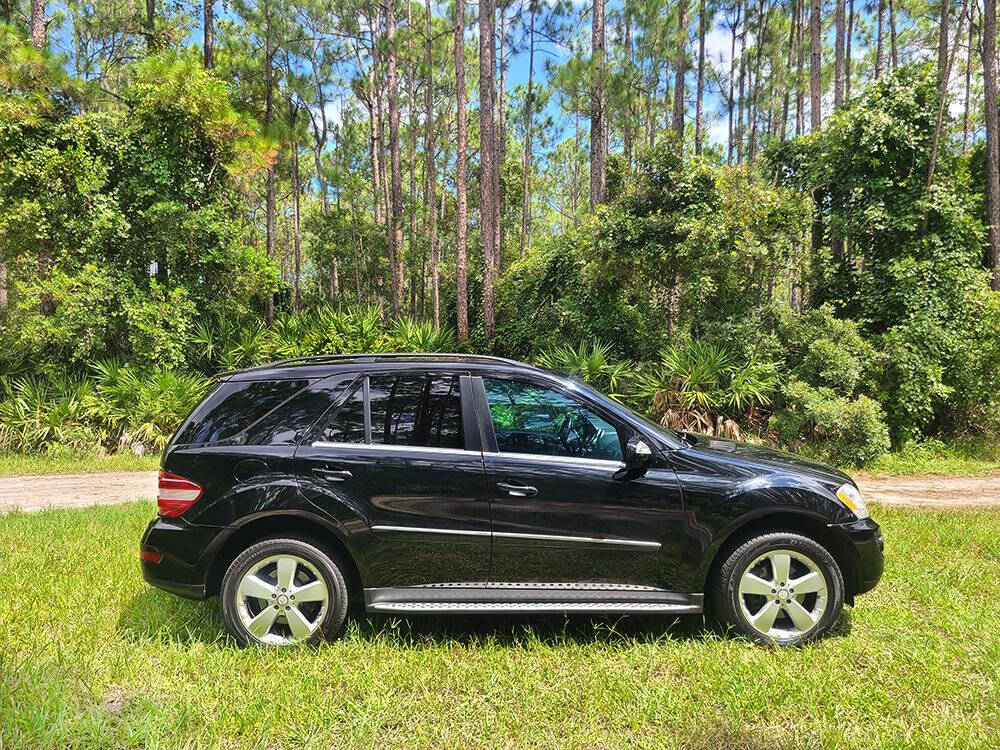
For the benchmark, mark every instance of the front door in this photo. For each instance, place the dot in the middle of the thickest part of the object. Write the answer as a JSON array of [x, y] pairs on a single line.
[[560, 517], [397, 455]]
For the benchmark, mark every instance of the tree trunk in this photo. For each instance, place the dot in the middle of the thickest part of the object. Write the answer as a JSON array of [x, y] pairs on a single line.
[[270, 209], [629, 127], [988, 49], [208, 46], [879, 41], [38, 23], [150, 31], [461, 199], [598, 186], [943, 37], [968, 76], [429, 158], [839, 46], [732, 86], [412, 101], [700, 90], [489, 175], [786, 101], [297, 219], [800, 72], [395, 223], [815, 66], [892, 35], [682, 34], [501, 136], [528, 121], [847, 61]]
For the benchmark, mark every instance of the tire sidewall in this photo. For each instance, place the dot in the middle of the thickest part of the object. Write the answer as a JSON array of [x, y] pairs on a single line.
[[336, 610], [742, 556]]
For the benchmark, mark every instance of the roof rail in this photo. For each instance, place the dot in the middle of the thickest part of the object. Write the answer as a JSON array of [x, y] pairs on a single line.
[[369, 356]]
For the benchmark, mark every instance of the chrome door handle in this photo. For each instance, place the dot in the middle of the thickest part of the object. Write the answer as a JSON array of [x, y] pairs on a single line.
[[332, 475], [517, 490]]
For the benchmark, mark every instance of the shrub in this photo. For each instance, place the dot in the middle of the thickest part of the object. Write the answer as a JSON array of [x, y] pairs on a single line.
[[590, 363], [140, 410], [46, 415], [829, 352], [846, 431], [702, 387]]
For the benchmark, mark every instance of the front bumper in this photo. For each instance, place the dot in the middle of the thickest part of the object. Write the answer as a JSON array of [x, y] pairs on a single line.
[[184, 567], [863, 542]]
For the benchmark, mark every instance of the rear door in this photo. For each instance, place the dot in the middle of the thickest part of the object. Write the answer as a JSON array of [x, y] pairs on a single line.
[[560, 517], [397, 454]]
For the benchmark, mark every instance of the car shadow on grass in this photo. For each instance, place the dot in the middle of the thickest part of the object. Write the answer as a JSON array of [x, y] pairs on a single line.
[[155, 615]]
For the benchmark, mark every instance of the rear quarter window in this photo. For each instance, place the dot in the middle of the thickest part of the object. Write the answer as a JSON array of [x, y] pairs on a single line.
[[234, 406]]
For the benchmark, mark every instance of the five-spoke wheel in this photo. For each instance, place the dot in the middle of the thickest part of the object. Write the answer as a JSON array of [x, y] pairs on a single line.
[[281, 592], [780, 588]]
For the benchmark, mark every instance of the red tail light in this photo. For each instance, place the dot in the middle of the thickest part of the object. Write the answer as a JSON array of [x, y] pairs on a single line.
[[150, 556], [176, 494]]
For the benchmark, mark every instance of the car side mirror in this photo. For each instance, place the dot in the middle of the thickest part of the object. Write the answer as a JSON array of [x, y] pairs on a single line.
[[638, 457]]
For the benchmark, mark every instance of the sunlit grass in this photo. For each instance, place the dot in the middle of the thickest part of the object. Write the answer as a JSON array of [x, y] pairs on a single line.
[[958, 458], [20, 464], [92, 657]]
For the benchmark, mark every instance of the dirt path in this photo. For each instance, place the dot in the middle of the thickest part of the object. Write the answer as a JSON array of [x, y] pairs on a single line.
[[933, 492], [75, 490], [107, 488]]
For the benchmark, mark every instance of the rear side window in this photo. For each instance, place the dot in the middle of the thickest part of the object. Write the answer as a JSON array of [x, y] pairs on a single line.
[[287, 424], [233, 407], [421, 410], [415, 409]]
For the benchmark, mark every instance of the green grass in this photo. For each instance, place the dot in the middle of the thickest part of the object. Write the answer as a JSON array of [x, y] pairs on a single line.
[[92, 657], [958, 458], [20, 464]]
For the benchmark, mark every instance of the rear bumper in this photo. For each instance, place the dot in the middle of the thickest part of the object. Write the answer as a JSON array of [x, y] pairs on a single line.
[[864, 543], [184, 567]]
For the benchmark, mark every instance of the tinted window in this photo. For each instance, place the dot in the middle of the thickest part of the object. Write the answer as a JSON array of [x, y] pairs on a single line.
[[529, 418], [234, 406], [347, 424], [287, 424], [416, 409]]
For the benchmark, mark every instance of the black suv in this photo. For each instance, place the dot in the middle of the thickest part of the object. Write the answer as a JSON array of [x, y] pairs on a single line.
[[449, 483]]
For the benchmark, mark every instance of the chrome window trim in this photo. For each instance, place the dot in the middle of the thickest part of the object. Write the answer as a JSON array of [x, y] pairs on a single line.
[[516, 535], [598, 463], [386, 447]]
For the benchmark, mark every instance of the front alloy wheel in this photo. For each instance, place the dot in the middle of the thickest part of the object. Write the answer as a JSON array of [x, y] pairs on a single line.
[[780, 588], [283, 592]]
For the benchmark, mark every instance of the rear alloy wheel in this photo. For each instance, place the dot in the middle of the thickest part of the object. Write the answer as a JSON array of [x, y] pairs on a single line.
[[780, 588], [283, 592]]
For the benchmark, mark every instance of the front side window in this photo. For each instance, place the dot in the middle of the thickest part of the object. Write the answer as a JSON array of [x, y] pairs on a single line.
[[412, 409], [530, 418]]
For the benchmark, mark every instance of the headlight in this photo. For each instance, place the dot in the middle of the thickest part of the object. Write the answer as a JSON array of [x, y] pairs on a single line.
[[848, 494]]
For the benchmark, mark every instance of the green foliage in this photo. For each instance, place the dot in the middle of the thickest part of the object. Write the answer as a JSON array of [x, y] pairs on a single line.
[[829, 352], [137, 408], [685, 246], [39, 415], [591, 363], [846, 431], [701, 386]]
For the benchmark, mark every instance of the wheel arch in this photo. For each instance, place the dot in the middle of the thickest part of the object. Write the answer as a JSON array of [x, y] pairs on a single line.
[[330, 537], [786, 519]]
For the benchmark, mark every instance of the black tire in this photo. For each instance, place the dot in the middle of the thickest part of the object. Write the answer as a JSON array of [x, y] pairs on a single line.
[[330, 618], [726, 596]]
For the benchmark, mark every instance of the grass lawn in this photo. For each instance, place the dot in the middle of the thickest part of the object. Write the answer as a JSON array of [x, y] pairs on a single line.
[[954, 458], [92, 657], [19, 464]]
